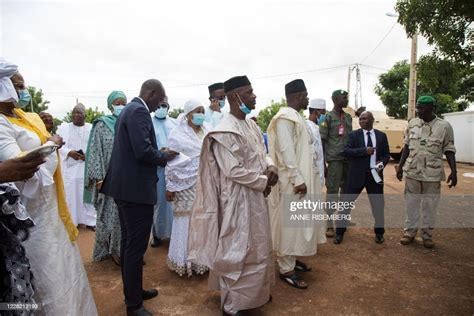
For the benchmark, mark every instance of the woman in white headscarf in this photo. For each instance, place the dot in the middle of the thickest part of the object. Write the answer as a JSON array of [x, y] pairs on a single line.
[[61, 285], [181, 176]]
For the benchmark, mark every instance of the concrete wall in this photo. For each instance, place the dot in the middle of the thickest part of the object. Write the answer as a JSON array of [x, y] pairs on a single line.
[[463, 126]]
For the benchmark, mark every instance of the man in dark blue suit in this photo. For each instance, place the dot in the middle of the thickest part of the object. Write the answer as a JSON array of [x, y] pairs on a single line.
[[131, 180], [366, 148]]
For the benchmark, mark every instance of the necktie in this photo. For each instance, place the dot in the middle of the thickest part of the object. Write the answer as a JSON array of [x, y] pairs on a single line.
[[369, 140], [369, 144]]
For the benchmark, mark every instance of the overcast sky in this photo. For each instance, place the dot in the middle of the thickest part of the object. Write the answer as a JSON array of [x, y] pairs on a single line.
[[85, 49]]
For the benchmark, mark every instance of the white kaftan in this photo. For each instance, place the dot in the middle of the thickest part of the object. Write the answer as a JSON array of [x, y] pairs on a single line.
[[76, 138], [61, 283]]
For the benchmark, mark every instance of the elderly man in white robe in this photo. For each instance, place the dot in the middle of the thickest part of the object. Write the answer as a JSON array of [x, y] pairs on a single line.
[[317, 110], [73, 155], [230, 228], [291, 149]]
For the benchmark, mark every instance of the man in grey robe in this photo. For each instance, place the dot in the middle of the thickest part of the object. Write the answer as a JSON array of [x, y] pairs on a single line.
[[229, 229]]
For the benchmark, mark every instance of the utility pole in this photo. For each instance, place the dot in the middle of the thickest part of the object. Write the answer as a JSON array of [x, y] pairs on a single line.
[[349, 83], [358, 87], [412, 81]]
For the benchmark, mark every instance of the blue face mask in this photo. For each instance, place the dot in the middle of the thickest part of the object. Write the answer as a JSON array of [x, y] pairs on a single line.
[[244, 108], [118, 109], [161, 113], [221, 103], [198, 119], [321, 119], [24, 98]]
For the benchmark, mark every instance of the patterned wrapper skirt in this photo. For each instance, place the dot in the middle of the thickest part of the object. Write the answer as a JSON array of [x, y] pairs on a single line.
[[178, 250]]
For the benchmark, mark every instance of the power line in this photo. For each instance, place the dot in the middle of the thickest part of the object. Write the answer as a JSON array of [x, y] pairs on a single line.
[[379, 43], [374, 67], [75, 93], [300, 72]]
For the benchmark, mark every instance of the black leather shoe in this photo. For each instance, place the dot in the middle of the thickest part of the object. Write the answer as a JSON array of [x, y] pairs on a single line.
[[338, 239], [149, 294], [155, 242], [379, 238], [139, 312]]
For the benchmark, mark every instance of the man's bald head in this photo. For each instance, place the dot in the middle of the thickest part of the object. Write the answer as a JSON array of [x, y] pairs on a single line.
[[366, 120], [153, 93]]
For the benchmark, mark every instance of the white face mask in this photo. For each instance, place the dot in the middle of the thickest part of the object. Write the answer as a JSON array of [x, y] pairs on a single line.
[[118, 109]]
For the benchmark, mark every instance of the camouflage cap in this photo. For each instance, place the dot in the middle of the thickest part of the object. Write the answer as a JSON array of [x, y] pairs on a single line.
[[425, 100]]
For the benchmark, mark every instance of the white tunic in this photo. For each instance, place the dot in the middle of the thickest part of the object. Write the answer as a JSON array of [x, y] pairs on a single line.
[[318, 158], [61, 283], [76, 138], [291, 149]]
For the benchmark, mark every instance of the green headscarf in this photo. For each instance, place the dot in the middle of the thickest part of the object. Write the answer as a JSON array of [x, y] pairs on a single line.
[[114, 95]]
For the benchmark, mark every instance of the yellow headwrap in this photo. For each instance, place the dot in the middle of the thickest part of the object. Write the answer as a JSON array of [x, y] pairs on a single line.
[[33, 123]]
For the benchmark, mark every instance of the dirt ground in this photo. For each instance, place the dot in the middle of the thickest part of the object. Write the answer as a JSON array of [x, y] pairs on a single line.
[[355, 277]]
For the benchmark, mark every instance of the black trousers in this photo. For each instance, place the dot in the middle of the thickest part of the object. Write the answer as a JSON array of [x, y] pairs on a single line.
[[376, 199], [135, 222]]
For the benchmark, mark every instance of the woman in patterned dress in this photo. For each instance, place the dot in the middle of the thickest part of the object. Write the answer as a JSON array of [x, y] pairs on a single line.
[[107, 234], [181, 176]]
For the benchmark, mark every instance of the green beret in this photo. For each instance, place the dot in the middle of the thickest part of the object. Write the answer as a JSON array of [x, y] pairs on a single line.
[[337, 93], [426, 100]]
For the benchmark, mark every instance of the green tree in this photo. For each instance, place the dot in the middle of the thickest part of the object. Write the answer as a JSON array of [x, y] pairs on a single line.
[[39, 104], [265, 116], [450, 82], [445, 23], [393, 89], [91, 115], [174, 113]]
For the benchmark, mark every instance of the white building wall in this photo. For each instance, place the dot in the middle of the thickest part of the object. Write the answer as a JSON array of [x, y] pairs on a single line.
[[463, 126]]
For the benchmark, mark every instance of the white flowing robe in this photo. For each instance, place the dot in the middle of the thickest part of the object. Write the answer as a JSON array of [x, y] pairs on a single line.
[[318, 157], [181, 178], [291, 149], [163, 215], [60, 280], [229, 229], [213, 118], [76, 138]]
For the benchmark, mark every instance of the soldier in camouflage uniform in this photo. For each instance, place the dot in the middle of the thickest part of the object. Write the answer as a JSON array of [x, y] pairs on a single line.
[[426, 139], [334, 132]]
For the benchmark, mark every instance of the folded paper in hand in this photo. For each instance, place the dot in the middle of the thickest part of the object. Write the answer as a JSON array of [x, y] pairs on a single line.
[[376, 176], [179, 159], [43, 150]]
